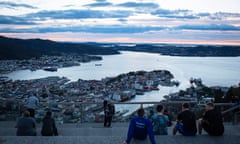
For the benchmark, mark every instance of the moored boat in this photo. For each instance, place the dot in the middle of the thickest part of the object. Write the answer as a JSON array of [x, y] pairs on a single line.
[[51, 69]]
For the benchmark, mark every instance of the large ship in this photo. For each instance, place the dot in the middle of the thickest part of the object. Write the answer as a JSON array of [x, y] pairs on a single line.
[[127, 94], [150, 88], [51, 69]]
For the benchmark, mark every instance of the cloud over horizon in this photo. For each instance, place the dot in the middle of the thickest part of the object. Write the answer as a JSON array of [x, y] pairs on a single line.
[[79, 14], [111, 17], [138, 5], [12, 5], [15, 20]]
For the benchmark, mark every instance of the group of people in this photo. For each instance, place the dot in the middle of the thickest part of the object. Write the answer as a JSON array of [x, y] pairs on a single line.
[[140, 127], [26, 124]]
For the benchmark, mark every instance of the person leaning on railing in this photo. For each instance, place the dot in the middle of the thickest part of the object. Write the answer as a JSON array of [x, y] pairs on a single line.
[[32, 104]]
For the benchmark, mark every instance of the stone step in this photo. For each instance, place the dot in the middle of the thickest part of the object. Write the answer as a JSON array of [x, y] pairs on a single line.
[[203, 139], [85, 129], [88, 129], [117, 131], [95, 133]]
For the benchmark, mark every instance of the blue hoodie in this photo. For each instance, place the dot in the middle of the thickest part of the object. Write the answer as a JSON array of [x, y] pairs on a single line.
[[139, 128]]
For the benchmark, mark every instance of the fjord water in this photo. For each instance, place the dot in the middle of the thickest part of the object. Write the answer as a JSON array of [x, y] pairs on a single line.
[[214, 71], [221, 71]]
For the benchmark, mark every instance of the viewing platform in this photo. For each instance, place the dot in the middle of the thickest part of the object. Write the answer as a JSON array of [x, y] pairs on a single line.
[[95, 133]]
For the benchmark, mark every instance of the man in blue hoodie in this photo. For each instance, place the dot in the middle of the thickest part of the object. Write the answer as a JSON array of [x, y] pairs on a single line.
[[139, 128]]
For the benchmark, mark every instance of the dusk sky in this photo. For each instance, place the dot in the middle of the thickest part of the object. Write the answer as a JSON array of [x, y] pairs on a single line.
[[141, 21]]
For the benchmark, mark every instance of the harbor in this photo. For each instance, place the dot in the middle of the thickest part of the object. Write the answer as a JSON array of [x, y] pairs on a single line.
[[63, 90], [47, 63], [62, 96]]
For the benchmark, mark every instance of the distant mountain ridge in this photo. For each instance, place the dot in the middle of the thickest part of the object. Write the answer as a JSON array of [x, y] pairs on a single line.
[[12, 48], [185, 50]]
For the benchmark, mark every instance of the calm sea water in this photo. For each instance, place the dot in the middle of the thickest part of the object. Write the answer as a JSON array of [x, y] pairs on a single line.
[[214, 71]]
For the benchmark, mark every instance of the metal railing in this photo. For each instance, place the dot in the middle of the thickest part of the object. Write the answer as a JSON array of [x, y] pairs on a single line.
[[79, 112]]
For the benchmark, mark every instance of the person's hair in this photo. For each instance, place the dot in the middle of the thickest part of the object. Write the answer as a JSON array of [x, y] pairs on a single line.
[[210, 104], [26, 113], [141, 112], [159, 108], [185, 105], [49, 113]]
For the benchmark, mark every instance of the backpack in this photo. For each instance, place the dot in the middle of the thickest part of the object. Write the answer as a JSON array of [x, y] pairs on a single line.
[[160, 125], [169, 117], [169, 121]]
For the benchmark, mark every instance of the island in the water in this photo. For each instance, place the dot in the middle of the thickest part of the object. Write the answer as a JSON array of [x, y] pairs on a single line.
[[64, 97]]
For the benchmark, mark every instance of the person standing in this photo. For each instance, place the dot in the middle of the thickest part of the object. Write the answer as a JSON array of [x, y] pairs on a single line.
[[48, 125], [160, 122], [139, 128], [212, 121], [186, 122], [26, 125], [32, 104], [109, 111]]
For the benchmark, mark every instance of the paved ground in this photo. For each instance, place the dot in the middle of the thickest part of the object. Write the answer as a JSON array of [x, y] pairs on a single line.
[[95, 133]]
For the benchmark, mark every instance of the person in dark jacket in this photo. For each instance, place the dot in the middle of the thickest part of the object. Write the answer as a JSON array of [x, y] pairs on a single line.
[[186, 122], [212, 121], [48, 125], [139, 128], [26, 125], [109, 111]]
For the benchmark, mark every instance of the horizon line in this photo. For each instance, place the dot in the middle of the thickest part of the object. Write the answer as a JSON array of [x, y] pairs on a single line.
[[170, 42]]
